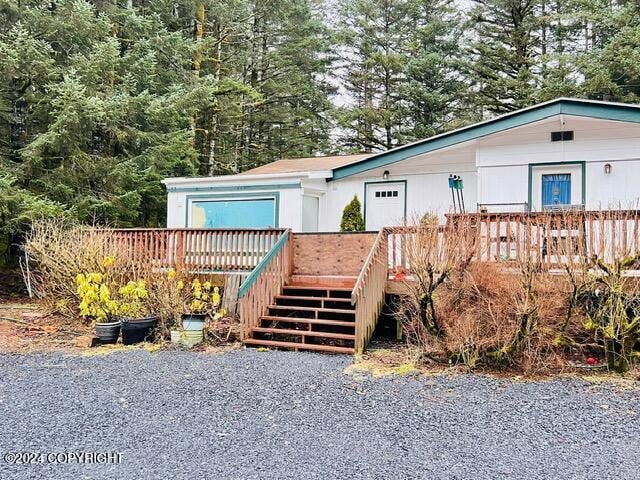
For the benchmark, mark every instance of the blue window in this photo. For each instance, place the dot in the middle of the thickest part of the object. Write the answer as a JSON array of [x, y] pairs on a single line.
[[556, 189], [245, 213]]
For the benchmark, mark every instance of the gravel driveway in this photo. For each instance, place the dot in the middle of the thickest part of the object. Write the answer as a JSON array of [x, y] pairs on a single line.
[[248, 414]]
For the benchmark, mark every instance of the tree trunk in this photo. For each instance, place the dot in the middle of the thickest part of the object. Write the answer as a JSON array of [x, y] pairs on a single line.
[[197, 64], [213, 128], [199, 33]]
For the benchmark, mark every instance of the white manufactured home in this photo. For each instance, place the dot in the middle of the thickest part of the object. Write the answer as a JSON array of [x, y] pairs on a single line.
[[566, 153]]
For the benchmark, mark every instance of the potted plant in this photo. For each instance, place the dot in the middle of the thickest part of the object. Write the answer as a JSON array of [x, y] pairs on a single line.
[[169, 295], [96, 303], [203, 301], [137, 324]]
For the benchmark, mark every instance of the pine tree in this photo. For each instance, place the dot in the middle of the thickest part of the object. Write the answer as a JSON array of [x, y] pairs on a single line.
[[352, 220], [99, 101], [375, 34], [505, 53], [609, 59], [435, 95], [18, 209], [400, 69], [269, 58], [286, 65]]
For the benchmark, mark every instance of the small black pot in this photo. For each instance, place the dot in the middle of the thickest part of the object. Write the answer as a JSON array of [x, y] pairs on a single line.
[[136, 330], [108, 332]]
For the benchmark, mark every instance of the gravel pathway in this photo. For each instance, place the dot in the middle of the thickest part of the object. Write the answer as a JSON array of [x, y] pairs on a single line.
[[248, 414]]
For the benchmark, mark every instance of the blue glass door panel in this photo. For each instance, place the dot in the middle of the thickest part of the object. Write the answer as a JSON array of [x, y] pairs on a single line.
[[556, 189], [249, 213]]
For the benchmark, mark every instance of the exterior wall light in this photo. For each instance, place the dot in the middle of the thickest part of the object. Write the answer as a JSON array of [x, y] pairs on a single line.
[[607, 168], [385, 175]]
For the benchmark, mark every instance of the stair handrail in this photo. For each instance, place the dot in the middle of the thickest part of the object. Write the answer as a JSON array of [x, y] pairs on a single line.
[[366, 266], [368, 292], [264, 283]]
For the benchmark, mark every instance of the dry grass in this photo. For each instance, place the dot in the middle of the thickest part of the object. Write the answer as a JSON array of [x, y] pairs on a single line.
[[384, 362]]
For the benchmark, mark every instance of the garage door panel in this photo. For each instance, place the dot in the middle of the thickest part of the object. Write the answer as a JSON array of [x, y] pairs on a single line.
[[385, 204]]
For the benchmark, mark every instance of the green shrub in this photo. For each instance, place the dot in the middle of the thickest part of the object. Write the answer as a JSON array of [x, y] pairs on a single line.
[[352, 220]]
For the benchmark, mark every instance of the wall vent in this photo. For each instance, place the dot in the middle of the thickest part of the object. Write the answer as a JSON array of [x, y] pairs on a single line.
[[562, 136]]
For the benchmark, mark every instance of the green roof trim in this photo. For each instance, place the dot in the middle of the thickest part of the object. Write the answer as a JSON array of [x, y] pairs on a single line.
[[581, 108]]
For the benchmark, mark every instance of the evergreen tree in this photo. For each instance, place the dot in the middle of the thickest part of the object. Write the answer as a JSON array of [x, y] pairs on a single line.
[[18, 209], [352, 220], [609, 59], [277, 50], [505, 53], [101, 100], [101, 124], [399, 69], [435, 95]]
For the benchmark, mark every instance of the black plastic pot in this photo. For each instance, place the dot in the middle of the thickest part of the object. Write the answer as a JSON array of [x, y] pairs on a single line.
[[136, 330], [108, 332]]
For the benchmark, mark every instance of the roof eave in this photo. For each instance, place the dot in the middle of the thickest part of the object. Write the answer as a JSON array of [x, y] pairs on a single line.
[[174, 181], [576, 107]]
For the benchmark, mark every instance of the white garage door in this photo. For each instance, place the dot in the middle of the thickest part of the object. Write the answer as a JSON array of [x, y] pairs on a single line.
[[385, 204]]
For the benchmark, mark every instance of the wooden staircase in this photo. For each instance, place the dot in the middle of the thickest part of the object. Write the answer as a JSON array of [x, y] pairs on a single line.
[[311, 316], [318, 292]]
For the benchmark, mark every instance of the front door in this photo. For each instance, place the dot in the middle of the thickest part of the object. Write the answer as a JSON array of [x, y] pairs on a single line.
[[556, 190], [384, 204]]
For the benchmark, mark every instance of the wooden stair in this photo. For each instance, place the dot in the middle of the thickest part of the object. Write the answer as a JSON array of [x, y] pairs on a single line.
[[308, 316]]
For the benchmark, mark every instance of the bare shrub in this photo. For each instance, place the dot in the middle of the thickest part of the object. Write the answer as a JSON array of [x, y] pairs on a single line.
[[59, 251], [435, 254], [171, 294], [511, 314], [612, 306], [167, 296], [495, 317], [546, 327], [477, 308]]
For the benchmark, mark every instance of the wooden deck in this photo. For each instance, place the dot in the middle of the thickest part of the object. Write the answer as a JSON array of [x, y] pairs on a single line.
[[301, 296], [324, 292]]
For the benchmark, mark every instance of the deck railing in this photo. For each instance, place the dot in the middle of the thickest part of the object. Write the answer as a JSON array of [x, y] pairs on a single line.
[[199, 250], [549, 238], [554, 238], [264, 283], [368, 293], [399, 240]]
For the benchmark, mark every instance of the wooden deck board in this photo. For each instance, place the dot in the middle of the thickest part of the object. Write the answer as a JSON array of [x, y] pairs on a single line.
[[305, 333], [298, 346]]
